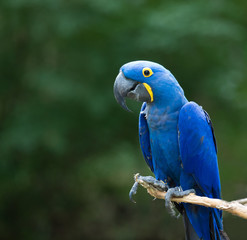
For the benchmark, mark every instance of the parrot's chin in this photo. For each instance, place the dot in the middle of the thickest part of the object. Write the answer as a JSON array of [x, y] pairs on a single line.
[[124, 87]]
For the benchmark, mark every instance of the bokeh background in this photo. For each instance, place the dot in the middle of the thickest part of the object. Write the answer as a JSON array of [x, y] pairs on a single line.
[[68, 152]]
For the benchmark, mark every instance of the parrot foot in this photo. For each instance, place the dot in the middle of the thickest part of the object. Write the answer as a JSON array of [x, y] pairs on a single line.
[[175, 192], [160, 185]]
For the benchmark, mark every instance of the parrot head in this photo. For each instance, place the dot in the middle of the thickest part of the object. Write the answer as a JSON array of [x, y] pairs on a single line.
[[145, 81]]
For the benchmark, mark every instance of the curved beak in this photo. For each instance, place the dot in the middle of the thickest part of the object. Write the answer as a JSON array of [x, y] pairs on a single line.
[[124, 87]]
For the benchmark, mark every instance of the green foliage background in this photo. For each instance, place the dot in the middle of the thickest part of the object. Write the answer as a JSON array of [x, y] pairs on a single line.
[[68, 152]]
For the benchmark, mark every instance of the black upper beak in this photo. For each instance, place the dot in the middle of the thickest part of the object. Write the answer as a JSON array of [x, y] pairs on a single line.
[[128, 88]]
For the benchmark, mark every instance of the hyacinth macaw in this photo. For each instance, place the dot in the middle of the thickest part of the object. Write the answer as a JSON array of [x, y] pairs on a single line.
[[177, 141]]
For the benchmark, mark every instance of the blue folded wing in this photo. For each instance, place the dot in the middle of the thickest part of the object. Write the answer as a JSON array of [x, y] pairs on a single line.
[[144, 137], [198, 149], [198, 153]]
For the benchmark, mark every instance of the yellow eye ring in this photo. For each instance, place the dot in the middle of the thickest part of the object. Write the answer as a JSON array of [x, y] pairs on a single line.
[[147, 72]]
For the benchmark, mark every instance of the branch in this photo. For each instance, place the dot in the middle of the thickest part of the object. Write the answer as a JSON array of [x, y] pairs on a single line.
[[238, 207]]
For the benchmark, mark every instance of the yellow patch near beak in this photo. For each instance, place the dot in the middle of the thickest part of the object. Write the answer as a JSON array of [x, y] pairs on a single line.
[[149, 89]]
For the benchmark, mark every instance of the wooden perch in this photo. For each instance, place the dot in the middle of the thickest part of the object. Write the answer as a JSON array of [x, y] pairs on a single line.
[[238, 207]]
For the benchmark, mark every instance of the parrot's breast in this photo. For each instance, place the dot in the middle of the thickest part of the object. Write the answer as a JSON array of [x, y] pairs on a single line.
[[164, 145]]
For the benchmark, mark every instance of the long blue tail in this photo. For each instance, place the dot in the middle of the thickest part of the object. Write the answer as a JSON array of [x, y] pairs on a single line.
[[203, 223], [190, 233]]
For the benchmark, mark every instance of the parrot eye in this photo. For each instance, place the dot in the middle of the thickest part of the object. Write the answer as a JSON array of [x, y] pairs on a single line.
[[147, 72]]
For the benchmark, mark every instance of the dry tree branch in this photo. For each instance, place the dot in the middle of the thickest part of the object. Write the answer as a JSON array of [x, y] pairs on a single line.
[[238, 207], [242, 201]]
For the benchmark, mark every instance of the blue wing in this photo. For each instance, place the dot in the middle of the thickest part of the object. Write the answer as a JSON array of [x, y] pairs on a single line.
[[144, 137], [200, 167]]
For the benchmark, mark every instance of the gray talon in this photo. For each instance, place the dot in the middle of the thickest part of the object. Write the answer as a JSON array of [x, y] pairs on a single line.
[[133, 191], [175, 192], [160, 185]]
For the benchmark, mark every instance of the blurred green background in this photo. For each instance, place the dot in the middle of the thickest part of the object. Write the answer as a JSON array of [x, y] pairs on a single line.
[[68, 152]]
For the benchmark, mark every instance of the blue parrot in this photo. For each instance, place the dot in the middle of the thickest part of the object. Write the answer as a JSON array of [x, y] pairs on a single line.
[[177, 141]]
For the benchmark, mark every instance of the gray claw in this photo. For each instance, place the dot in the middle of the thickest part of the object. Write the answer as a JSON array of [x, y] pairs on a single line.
[[175, 192], [160, 185], [133, 191]]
